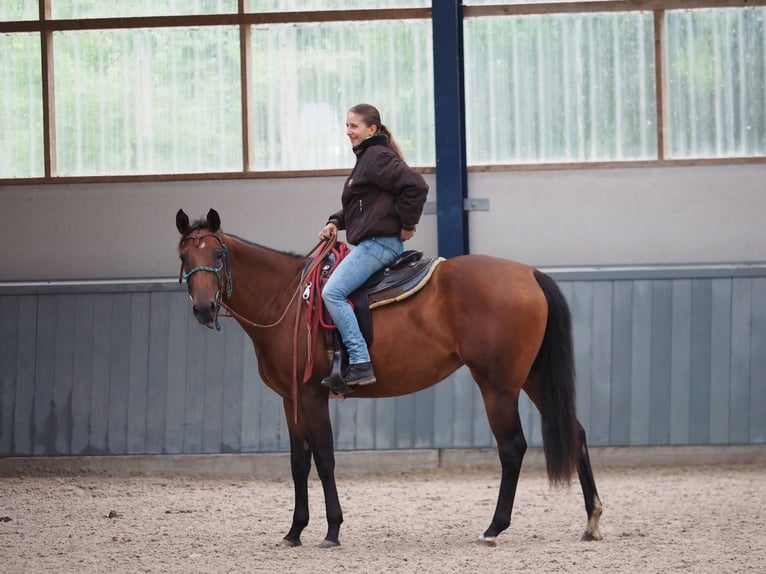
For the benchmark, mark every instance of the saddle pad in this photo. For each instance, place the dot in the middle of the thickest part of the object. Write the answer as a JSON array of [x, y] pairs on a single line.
[[407, 288]]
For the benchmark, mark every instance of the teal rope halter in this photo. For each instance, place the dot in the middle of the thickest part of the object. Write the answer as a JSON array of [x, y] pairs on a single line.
[[225, 266]]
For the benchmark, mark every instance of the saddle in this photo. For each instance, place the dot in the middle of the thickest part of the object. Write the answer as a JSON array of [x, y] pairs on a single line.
[[406, 275], [403, 278]]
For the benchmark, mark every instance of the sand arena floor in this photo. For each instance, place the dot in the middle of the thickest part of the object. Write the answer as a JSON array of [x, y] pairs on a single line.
[[661, 519]]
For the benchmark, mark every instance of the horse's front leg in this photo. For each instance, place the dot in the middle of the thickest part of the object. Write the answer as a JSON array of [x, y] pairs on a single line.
[[313, 435], [323, 448], [300, 466]]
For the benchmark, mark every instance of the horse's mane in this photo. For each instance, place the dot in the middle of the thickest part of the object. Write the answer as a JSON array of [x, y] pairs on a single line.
[[203, 224]]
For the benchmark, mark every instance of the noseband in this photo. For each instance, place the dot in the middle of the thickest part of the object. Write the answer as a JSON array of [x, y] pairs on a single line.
[[225, 265]]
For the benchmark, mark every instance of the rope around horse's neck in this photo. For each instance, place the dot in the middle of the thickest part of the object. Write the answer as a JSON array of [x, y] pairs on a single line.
[[328, 245]]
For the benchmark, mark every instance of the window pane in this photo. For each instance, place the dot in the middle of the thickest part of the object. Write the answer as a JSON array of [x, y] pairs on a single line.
[[306, 5], [21, 109], [11, 10], [148, 101], [559, 88], [307, 76], [62, 9], [716, 83]]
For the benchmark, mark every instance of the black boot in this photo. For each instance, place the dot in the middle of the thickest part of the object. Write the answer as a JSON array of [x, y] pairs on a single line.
[[360, 374]]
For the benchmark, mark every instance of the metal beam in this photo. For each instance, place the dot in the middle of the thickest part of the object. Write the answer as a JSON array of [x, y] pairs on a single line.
[[449, 99]]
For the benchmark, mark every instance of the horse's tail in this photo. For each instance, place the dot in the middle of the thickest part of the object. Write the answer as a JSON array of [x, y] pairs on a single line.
[[555, 367]]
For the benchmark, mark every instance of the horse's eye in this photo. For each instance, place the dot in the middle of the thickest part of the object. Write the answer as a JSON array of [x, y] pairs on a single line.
[[218, 254]]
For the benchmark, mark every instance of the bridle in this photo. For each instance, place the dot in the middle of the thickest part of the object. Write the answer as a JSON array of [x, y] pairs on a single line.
[[225, 266]]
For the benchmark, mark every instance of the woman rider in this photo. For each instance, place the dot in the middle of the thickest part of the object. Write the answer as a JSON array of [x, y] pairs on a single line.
[[382, 203]]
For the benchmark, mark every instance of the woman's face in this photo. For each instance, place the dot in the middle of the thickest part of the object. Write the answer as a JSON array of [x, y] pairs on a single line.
[[357, 130]]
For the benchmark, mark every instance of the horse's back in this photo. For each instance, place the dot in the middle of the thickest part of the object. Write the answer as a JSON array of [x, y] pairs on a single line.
[[484, 278]]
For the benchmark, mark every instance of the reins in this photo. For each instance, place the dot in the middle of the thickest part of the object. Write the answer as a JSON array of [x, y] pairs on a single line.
[[327, 246]]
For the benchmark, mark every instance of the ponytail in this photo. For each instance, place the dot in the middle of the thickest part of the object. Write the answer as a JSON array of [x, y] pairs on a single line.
[[383, 130]]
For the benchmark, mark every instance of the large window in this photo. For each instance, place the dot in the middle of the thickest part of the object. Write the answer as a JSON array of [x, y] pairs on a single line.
[[232, 88], [148, 101], [716, 83], [21, 110], [560, 87], [306, 76]]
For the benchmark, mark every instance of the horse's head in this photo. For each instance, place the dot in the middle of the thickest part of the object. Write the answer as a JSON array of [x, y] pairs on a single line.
[[204, 264]]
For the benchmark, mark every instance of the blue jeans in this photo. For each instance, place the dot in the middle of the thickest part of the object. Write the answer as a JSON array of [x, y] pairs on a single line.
[[365, 259]]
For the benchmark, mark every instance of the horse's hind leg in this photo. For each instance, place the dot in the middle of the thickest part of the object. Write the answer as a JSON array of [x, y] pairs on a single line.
[[592, 501], [503, 415]]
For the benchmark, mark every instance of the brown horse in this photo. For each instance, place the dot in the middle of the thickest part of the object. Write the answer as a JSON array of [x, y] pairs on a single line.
[[508, 322]]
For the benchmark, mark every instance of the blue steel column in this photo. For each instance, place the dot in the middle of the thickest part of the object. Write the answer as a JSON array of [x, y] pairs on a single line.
[[449, 104]]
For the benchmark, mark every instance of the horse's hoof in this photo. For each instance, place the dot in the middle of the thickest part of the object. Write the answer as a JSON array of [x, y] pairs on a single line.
[[591, 535], [329, 543], [490, 541], [291, 543]]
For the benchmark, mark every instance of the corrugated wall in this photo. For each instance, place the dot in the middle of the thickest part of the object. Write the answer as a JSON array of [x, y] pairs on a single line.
[[671, 356]]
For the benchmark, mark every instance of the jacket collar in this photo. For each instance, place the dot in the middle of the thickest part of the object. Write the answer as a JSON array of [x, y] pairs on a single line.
[[369, 142]]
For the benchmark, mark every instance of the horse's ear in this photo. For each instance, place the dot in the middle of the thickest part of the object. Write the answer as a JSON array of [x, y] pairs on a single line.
[[213, 220], [182, 222]]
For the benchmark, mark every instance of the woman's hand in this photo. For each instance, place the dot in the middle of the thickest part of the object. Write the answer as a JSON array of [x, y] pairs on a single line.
[[328, 231], [406, 234]]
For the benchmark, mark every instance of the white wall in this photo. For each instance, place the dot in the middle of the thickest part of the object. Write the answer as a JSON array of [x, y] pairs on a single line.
[[127, 230], [707, 214]]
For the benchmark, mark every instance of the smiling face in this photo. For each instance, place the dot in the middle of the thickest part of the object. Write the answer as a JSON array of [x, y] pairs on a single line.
[[357, 129]]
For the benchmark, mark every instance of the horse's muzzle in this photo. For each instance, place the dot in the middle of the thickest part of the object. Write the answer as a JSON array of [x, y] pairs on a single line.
[[206, 313]]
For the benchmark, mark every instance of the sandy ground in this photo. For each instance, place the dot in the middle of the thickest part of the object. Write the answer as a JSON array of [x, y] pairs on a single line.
[[676, 519]]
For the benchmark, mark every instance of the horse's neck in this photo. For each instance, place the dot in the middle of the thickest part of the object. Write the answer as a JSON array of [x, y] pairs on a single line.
[[262, 278]]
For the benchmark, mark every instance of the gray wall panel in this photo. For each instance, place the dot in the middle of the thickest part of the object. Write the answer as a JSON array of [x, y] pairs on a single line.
[[385, 423], [444, 408], [622, 341], [582, 313], [739, 402], [98, 436], [699, 399], [9, 323], [665, 360], [23, 412], [43, 418], [641, 361], [720, 359], [180, 325], [364, 438], [660, 357], [758, 363], [212, 389], [82, 373], [233, 379], [465, 395], [63, 373], [680, 362], [138, 365], [119, 372], [158, 347], [601, 372]]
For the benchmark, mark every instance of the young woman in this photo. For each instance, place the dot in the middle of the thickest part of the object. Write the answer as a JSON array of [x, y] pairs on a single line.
[[382, 203]]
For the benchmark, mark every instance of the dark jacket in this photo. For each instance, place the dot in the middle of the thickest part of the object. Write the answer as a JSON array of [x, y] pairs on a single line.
[[381, 196]]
